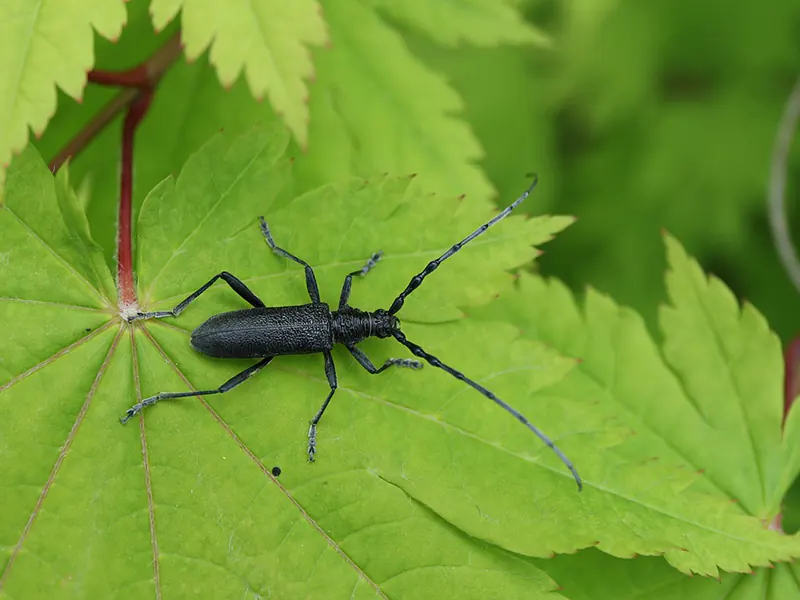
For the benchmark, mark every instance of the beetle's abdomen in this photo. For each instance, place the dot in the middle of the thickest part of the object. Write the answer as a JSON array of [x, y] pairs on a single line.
[[270, 331]]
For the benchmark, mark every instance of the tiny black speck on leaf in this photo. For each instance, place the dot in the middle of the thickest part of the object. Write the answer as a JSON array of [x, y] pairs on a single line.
[[276, 471]]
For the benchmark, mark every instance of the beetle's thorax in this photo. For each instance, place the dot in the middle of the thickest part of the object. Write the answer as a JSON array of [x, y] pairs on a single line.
[[351, 325]]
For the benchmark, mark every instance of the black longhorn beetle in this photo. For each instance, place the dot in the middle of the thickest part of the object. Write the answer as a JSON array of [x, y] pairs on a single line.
[[266, 332]]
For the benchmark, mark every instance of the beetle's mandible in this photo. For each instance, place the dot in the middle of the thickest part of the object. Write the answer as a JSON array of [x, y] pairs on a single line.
[[266, 332]]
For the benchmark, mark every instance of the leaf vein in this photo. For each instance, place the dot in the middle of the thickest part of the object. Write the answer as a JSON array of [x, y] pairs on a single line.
[[60, 258], [56, 356], [60, 460]]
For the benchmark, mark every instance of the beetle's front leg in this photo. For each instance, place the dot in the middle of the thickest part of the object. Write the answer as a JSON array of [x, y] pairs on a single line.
[[348, 280]]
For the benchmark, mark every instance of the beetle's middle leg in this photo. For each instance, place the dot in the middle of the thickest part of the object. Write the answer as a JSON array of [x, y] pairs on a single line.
[[311, 280], [330, 373], [236, 284], [225, 387]]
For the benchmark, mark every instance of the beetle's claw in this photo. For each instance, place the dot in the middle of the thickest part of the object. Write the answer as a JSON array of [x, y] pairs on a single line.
[[129, 414]]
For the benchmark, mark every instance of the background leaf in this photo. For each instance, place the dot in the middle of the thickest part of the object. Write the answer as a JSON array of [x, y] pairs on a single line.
[[729, 363], [268, 40], [42, 45], [607, 577], [371, 89], [682, 407], [479, 22]]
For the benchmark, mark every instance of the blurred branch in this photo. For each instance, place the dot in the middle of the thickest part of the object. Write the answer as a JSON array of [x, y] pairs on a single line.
[[776, 199], [135, 82], [100, 121]]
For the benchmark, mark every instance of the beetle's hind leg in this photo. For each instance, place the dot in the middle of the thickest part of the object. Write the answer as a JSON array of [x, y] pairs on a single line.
[[330, 373], [225, 387], [236, 284]]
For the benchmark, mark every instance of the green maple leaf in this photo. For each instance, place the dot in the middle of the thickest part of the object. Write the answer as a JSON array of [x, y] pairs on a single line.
[[652, 578], [477, 22], [507, 110], [46, 44], [710, 400], [377, 108], [267, 40], [184, 500]]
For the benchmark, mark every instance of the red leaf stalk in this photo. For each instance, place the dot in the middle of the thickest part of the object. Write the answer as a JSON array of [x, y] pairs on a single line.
[[125, 283], [138, 85], [135, 78]]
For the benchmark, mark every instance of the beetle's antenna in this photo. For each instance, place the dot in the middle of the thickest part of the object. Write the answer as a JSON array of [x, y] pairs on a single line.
[[417, 351], [433, 265]]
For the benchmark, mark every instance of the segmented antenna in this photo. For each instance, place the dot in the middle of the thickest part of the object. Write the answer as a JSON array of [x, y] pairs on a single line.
[[416, 281], [432, 360]]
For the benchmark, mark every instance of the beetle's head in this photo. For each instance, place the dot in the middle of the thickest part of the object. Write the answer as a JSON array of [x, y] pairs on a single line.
[[384, 324]]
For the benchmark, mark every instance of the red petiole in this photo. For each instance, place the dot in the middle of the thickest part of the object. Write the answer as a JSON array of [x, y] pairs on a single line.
[[139, 86]]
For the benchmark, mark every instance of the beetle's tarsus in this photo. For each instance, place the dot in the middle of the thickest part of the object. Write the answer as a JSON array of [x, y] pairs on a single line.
[[138, 316], [408, 363], [267, 233], [161, 314], [312, 442], [370, 264], [137, 408]]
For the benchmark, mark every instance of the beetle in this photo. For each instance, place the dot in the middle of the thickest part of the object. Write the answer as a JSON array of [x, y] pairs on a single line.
[[265, 332]]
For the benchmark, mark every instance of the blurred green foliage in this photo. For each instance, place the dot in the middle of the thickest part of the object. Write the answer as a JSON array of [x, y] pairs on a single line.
[[644, 116]]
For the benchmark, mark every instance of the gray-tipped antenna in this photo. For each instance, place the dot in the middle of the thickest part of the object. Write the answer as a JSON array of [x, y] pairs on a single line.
[[416, 281], [432, 360]]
